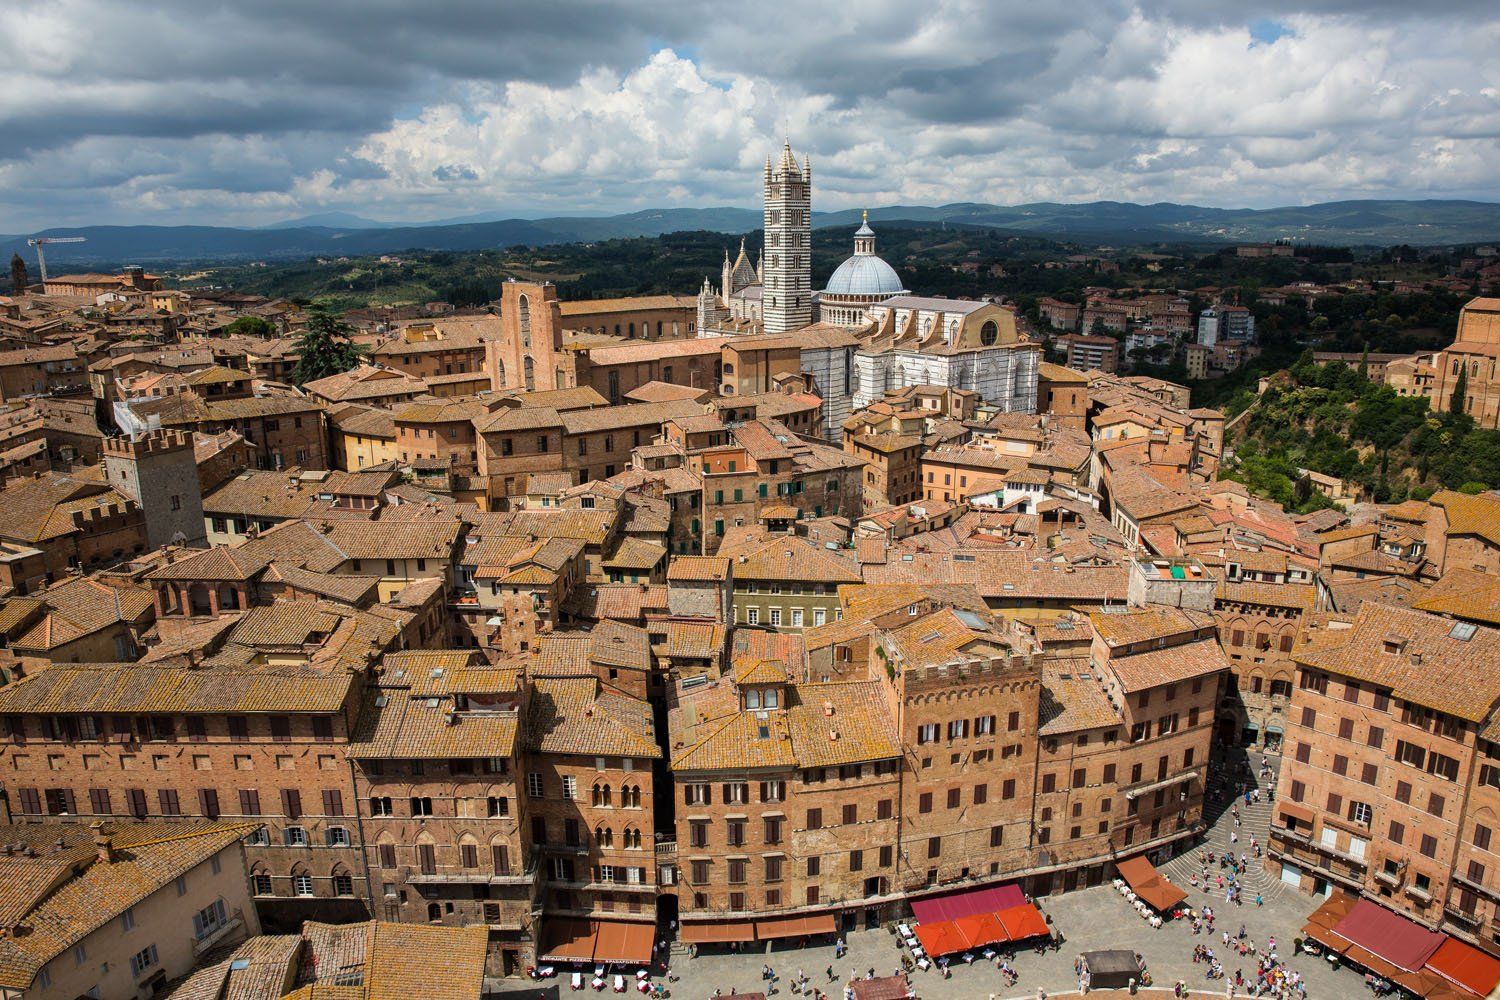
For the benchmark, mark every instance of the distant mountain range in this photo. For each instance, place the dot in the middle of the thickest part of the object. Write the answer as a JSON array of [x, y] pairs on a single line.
[[1341, 223]]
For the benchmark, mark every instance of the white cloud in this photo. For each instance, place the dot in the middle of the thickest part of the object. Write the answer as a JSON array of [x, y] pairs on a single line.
[[245, 114]]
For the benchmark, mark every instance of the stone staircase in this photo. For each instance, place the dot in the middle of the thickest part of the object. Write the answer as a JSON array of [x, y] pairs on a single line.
[[1255, 818]]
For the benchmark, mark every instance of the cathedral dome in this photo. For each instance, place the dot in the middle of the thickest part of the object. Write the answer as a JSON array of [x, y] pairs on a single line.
[[864, 274]]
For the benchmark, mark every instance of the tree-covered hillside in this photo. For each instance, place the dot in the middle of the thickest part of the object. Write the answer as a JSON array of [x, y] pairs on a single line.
[[1333, 420]]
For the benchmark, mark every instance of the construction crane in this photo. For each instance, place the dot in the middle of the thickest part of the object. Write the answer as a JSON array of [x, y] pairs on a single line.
[[40, 241]]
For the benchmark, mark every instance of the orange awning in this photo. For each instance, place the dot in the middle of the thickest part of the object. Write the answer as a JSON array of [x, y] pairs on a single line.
[[801, 925], [1464, 964], [980, 929], [717, 932], [941, 938], [1369, 960], [1024, 921], [1325, 937], [624, 941], [569, 940], [1154, 890]]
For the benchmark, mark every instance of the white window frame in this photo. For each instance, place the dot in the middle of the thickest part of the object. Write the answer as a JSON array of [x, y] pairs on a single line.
[[301, 882], [142, 960]]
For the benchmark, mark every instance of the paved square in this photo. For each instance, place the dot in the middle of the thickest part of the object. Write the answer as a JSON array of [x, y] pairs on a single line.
[[1088, 919]]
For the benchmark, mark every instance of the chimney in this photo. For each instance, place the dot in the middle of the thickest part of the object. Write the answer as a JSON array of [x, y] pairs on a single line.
[[103, 845]]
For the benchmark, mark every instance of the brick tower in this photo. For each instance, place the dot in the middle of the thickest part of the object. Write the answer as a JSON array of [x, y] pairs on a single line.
[[787, 260], [159, 472]]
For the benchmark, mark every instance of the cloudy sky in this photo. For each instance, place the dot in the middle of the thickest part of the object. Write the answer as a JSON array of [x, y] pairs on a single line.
[[246, 113]]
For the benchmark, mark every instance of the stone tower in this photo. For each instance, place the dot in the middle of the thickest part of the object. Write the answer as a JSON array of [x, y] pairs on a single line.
[[160, 472], [786, 296]]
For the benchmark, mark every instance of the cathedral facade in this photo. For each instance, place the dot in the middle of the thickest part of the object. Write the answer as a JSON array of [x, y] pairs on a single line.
[[904, 340]]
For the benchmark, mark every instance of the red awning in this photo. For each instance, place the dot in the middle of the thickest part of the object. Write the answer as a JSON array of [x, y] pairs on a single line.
[[884, 988], [795, 926], [1403, 943], [1154, 890], [941, 938], [1464, 964], [967, 902], [717, 932], [1024, 921], [569, 940], [624, 941], [981, 929]]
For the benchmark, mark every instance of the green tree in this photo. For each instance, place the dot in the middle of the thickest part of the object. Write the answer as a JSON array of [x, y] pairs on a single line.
[[1460, 390], [251, 326], [325, 348], [1364, 363]]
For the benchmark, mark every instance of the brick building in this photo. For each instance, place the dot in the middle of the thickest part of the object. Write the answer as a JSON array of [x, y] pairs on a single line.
[[90, 741], [435, 776], [1390, 785]]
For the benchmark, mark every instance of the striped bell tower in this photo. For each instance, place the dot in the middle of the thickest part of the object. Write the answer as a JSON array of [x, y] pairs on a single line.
[[786, 293]]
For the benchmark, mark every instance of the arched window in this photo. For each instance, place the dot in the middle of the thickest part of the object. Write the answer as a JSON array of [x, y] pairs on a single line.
[[434, 913], [659, 328], [604, 836], [989, 333], [630, 330], [528, 373], [500, 372], [523, 313], [630, 797], [601, 794], [632, 839]]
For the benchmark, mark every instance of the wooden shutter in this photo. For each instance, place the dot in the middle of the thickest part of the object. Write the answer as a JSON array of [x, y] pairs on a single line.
[[333, 802], [167, 799], [500, 857], [31, 801], [291, 803], [137, 798], [468, 855], [249, 802], [387, 855], [99, 801], [70, 806], [427, 859], [208, 802]]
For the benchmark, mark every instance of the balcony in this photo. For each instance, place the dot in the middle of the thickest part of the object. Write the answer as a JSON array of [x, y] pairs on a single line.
[[1488, 892], [1391, 880], [474, 877], [666, 849], [646, 887], [1420, 895], [1453, 911]]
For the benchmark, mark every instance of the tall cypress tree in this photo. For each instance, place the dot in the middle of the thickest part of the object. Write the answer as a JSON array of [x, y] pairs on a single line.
[[1460, 390]]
